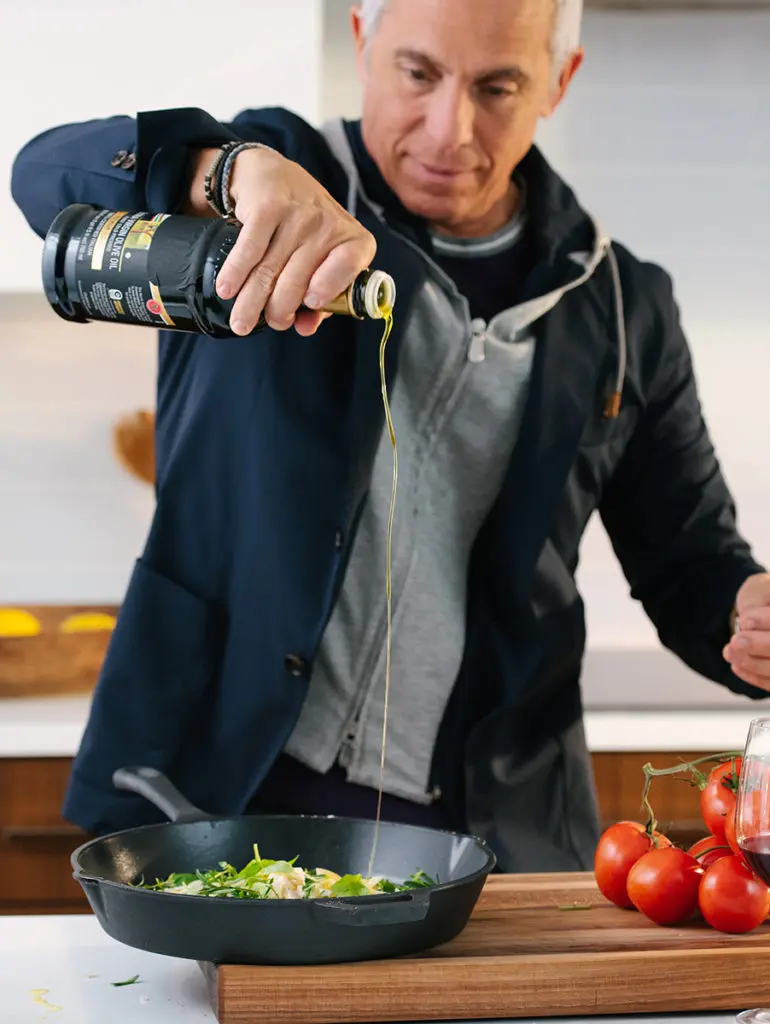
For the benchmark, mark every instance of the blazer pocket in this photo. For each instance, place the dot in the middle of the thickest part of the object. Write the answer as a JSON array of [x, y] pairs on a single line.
[[165, 651]]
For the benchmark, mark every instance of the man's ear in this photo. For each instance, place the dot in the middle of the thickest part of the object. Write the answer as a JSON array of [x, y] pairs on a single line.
[[357, 28], [567, 72]]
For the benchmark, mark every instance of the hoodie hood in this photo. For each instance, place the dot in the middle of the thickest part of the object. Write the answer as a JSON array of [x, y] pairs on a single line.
[[569, 243]]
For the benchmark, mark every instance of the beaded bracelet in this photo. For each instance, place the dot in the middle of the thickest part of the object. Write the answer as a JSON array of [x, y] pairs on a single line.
[[217, 181], [209, 182]]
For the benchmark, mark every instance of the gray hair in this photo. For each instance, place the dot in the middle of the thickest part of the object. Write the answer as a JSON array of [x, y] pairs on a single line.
[[565, 37]]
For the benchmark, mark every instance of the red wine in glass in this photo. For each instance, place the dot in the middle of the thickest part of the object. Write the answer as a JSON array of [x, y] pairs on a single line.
[[756, 852], [752, 821]]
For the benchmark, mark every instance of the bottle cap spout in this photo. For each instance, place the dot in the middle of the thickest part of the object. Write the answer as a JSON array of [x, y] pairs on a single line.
[[379, 294]]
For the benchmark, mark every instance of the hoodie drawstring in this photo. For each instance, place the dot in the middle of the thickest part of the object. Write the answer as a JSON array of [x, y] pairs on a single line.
[[612, 404], [337, 140]]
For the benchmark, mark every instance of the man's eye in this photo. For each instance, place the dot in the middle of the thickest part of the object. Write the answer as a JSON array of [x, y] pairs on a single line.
[[417, 74], [498, 91]]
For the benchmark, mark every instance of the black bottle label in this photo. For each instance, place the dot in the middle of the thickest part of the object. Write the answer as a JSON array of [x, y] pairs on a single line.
[[112, 269]]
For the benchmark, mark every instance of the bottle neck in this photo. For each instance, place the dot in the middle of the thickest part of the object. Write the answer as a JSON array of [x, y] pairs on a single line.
[[352, 301]]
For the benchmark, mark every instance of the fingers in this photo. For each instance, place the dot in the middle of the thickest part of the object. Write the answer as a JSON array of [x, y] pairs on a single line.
[[254, 293], [292, 283], [291, 270], [320, 270], [307, 322], [749, 657], [282, 272], [746, 663], [755, 643], [755, 619], [248, 252], [341, 266], [309, 256], [762, 682]]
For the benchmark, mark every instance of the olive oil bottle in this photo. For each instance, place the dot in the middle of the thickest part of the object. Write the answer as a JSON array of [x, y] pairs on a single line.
[[160, 270]]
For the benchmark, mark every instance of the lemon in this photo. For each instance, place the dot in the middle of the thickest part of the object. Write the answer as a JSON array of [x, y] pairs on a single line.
[[15, 622], [88, 622]]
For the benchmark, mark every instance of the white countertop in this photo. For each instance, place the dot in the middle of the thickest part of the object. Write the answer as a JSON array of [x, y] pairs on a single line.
[[71, 964], [52, 727]]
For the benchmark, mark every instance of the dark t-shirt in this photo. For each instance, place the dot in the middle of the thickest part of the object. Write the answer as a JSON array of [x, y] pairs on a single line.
[[490, 271]]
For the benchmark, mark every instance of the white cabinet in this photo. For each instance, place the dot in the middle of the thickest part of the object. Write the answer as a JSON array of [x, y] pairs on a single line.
[[92, 58]]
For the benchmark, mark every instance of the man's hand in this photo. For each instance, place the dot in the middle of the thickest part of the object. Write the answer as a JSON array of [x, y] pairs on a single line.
[[749, 650], [297, 244]]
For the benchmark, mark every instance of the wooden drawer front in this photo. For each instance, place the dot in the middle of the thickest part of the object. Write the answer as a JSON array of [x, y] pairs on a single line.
[[676, 803], [35, 841]]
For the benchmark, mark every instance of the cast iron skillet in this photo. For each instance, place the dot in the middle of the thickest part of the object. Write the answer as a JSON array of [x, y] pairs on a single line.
[[237, 931]]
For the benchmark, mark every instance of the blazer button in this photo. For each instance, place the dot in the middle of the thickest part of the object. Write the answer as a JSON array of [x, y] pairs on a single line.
[[119, 157], [295, 666], [339, 540]]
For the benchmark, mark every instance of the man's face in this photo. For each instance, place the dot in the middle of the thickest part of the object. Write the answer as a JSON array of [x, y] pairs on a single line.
[[452, 93]]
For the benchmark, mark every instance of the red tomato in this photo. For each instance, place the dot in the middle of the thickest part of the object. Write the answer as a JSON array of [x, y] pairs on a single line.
[[717, 798], [730, 839], [708, 850], [754, 812], [663, 885], [619, 848], [732, 898]]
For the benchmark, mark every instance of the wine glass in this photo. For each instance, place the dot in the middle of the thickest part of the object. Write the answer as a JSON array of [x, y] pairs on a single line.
[[752, 821]]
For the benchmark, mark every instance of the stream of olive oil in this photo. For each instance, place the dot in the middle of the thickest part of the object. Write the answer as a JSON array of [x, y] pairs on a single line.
[[387, 315]]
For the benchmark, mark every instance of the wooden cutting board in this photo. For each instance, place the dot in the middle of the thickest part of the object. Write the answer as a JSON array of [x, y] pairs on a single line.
[[529, 950]]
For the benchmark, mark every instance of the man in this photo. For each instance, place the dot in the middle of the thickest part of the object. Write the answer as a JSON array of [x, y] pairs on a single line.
[[538, 373]]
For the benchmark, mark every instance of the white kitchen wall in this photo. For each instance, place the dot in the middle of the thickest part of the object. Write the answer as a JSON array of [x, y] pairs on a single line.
[[62, 62], [664, 136], [71, 520]]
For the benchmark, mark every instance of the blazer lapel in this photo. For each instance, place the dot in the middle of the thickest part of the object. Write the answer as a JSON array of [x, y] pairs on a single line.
[[566, 390]]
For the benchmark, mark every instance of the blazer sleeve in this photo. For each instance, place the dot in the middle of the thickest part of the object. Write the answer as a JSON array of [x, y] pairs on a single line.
[[86, 162], [669, 513]]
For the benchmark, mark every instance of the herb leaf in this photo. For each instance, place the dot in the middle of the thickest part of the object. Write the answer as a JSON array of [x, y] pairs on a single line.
[[350, 885], [263, 878]]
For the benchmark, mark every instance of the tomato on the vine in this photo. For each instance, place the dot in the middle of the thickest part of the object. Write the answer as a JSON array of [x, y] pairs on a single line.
[[709, 850], [718, 796], [730, 837], [732, 898], [619, 848], [664, 883]]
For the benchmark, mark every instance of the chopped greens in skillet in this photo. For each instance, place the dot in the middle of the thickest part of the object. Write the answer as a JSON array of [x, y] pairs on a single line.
[[281, 879]]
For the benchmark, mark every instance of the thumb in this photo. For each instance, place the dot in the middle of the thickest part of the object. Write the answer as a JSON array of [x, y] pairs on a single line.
[[308, 322], [755, 593]]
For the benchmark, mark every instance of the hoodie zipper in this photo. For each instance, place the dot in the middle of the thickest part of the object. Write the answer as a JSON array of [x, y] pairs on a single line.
[[474, 353]]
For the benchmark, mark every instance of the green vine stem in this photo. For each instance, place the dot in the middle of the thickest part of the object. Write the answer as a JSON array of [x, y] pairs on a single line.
[[685, 766], [712, 849]]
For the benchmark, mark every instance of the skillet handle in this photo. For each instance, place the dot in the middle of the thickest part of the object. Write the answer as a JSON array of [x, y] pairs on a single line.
[[398, 908], [160, 791]]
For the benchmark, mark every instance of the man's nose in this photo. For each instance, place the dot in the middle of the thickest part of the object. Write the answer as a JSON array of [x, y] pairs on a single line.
[[450, 117]]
